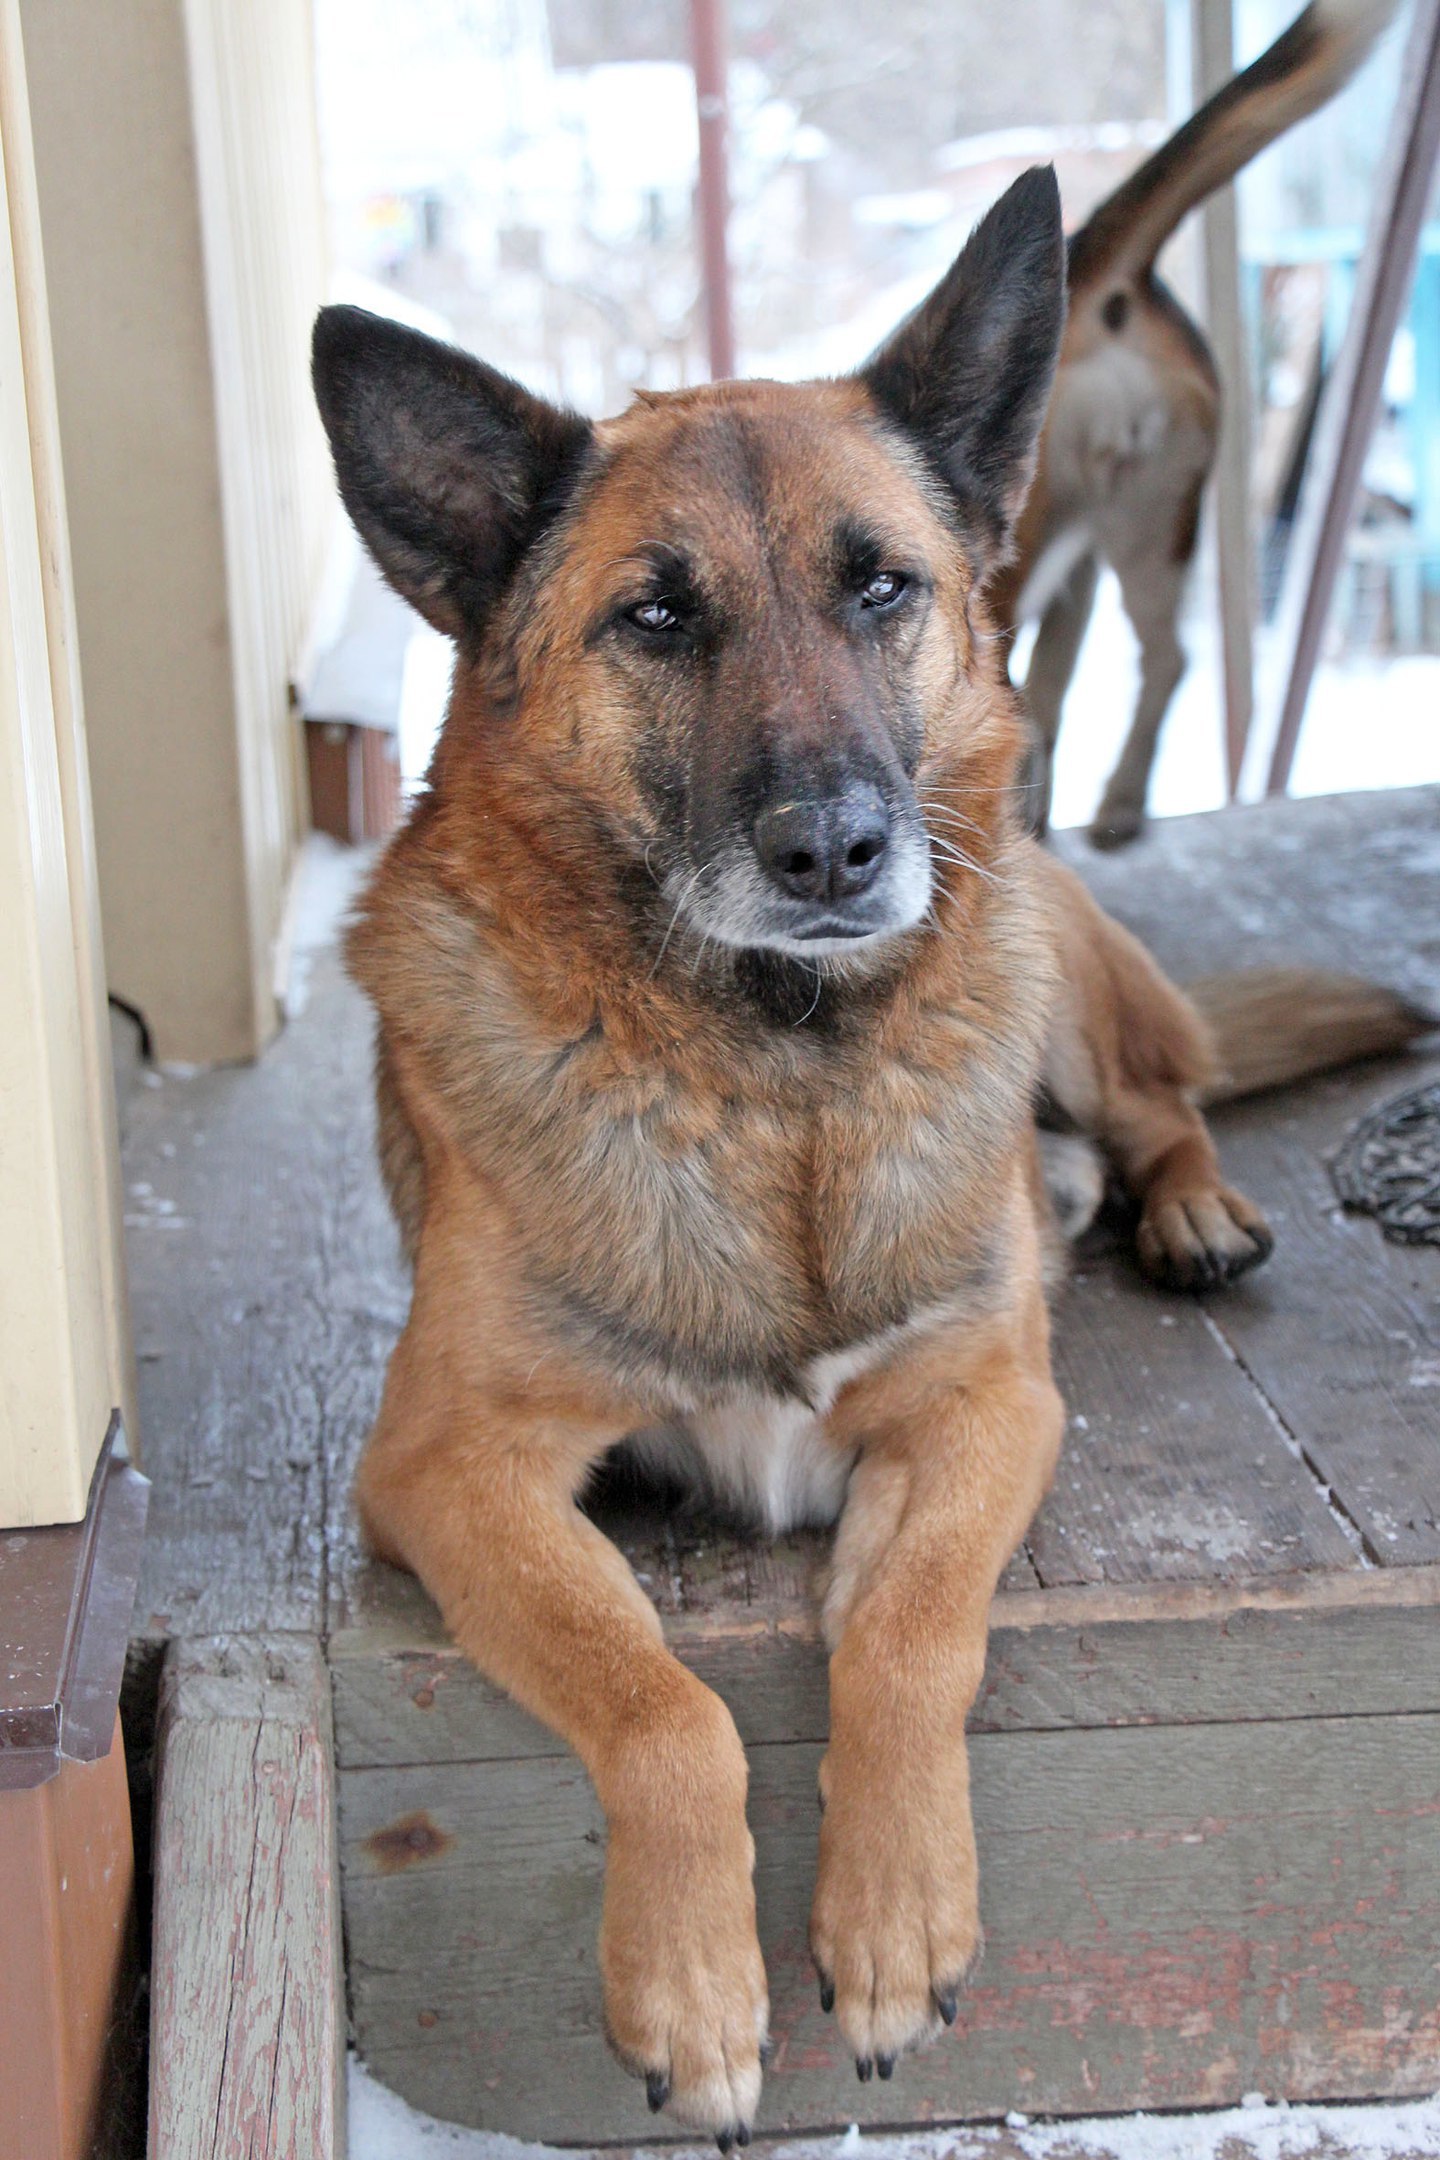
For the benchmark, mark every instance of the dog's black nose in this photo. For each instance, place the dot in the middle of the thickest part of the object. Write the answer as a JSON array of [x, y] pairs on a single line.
[[826, 850]]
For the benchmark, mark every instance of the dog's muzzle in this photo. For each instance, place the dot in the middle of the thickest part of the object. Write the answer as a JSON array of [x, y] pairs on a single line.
[[822, 875], [825, 853]]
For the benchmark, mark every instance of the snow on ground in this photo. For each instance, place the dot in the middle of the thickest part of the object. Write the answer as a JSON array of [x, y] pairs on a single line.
[[1369, 724], [382, 2127]]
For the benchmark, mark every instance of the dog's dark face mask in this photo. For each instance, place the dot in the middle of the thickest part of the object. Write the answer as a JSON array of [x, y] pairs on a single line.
[[729, 620]]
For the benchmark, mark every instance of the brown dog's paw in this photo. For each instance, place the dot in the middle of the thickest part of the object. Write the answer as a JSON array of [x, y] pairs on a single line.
[[1199, 1240], [1116, 825], [686, 2007], [895, 1928]]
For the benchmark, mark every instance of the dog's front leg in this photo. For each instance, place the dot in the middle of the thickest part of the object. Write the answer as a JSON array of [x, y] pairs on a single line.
[[957, 1453], [477, 1498]]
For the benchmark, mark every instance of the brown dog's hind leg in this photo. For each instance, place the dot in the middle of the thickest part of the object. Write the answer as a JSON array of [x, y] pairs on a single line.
[[477, 1496], [959, 1441], [1151, 591], [1126, 1056], [1052, 663]]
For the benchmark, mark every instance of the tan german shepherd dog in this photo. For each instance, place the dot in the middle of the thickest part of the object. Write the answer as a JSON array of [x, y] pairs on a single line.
[[718, 987]]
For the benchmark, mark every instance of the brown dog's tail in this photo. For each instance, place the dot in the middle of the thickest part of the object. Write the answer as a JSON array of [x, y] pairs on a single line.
[[1307, 64], [1272, 1026]]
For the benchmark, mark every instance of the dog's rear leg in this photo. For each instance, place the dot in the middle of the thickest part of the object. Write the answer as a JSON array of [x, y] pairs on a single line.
[[958, 1444], [1052, 663], [1126, 1055], [477, 1497], [1151, 590]]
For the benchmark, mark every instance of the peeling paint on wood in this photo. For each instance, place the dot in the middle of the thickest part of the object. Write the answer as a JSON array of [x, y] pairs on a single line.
[[248, 2021], [1174, 1916], [1055, 1663]]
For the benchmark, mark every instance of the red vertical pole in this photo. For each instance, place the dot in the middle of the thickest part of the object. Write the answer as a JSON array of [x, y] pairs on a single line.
[[707, 39]]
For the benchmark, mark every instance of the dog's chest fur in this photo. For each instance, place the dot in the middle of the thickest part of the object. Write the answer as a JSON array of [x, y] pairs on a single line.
[[705, 1238], [726, 1217], [712, 1205], [740, 1260]]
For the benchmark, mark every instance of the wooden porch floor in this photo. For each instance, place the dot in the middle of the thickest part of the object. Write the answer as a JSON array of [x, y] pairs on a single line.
[[1207, 1761]]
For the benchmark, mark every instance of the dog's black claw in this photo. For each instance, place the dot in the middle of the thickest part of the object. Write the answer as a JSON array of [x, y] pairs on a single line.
[[657, 2090], [947, 2004], [864, 2068], [767, 2052], [742, 2135], [827, 1995], [885, 2066], [724, 2139]]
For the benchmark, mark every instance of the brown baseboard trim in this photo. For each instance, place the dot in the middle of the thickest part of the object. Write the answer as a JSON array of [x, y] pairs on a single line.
[[66, 1595]]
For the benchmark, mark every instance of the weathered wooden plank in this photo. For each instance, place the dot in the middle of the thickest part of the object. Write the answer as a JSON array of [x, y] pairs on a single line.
[[1339, 1330], [1339, 881], [267, 1291], [1020, 1572], [248, 2019], [1174, 1916], [1246, 1659], [1342, 1330], [1172, 1466], [1260, 1651]]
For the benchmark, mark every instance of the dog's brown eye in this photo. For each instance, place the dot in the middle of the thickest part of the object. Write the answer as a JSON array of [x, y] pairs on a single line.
[[882, 590], [654, 615]]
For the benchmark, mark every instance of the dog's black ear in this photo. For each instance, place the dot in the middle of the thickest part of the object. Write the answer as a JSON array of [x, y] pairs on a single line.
[[448, 468], [969, 373]]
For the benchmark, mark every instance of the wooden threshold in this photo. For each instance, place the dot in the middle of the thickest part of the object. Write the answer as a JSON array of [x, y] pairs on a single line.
[[247, 2034]]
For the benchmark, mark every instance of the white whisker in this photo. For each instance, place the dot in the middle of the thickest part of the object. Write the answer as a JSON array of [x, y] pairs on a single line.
[[953, 817], [675, 917], [949, 853]]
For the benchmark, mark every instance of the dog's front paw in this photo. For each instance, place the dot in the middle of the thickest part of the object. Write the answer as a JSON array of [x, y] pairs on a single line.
[[686, 2007], [1201, 1239], [895, 1927]]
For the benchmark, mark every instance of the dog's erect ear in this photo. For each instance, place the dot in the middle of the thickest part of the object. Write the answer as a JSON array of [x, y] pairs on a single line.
[[448, 468], [969, 373]]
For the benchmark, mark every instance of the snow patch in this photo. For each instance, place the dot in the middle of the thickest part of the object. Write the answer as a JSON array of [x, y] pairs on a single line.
[[383, 2127], [1370, 723]]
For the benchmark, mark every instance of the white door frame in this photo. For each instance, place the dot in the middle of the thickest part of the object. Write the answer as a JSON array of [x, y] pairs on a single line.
[[64, 1339]]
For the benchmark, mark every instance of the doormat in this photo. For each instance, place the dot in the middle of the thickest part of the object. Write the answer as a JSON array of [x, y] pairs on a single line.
[[1390, 1167]]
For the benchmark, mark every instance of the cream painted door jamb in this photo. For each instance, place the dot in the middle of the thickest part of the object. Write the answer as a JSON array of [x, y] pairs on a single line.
[[64, 1354]]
